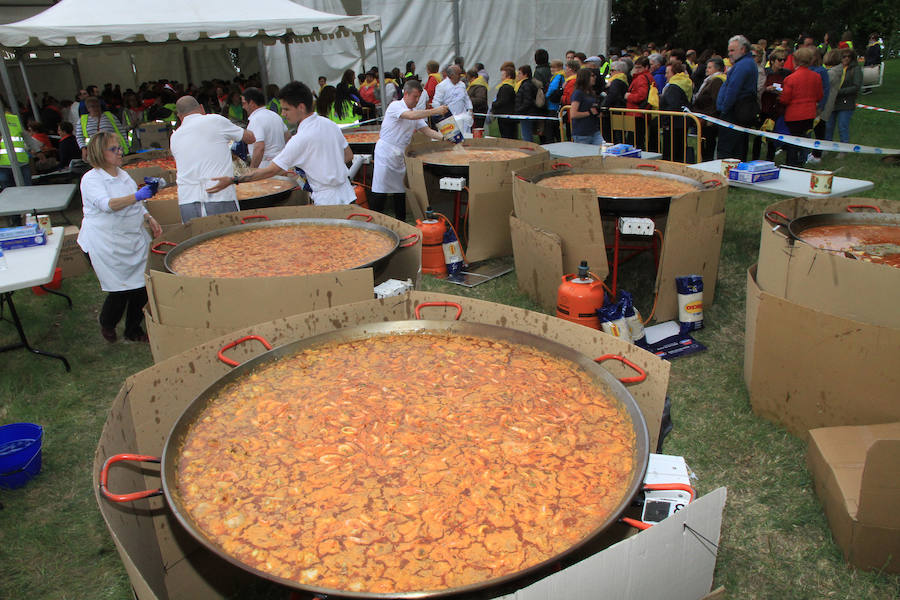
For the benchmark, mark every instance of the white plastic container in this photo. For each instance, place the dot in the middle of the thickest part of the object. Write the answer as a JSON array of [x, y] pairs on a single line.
[[450, 130]]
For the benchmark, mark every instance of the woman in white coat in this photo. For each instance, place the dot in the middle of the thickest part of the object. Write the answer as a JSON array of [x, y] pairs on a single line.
[[113, 235], [401, 120]]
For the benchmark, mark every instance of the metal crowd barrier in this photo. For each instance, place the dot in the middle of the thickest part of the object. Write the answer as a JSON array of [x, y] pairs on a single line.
[[641, 128]]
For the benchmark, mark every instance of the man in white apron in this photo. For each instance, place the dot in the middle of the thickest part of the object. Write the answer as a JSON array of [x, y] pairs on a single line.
[[452, 92], [201, 147], [401, 120], [319, 148]]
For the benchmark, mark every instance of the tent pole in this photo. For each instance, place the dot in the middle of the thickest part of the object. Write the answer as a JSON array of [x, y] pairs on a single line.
[[187, 66], [7, 85], [34, 108], [379, 56], [77, 73], [7, 141], [456, 29], [263, 73], [287, 53]]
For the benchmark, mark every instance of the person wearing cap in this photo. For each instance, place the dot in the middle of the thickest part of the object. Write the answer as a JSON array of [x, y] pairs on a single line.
[[201, 147], [451, 92]]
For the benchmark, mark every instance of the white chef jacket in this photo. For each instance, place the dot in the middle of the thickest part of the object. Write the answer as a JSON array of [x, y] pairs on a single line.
[[268, 128], [390, 166], [318, 149], [457, 100], [115, 240], [202, 150]]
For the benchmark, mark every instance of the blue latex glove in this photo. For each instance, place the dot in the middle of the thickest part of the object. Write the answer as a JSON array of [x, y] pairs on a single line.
[[144, 193]]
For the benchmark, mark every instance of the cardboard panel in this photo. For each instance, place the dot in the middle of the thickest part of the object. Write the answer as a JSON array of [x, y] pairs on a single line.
[[72, 259], [813, 369], [163, 562], [824, 280], [879, 492], [692, 230], [538, 261]]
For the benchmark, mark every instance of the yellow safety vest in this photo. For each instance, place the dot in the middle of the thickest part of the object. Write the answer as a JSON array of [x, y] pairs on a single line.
[[349, 115], [173, 118], [18, 141], [111, 118]]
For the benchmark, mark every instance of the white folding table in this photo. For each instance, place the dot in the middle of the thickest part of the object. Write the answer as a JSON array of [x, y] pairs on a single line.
[[576, 150], [30, 267], [18, 200], [792, 182]]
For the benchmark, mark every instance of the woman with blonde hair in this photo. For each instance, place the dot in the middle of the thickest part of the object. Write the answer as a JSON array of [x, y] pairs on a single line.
[[113, 235]]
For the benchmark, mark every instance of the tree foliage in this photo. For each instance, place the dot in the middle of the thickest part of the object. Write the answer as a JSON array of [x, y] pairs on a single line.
[[709, 23]]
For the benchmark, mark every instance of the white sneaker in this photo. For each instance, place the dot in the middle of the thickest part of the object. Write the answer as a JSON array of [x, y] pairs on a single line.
[[812, 160]]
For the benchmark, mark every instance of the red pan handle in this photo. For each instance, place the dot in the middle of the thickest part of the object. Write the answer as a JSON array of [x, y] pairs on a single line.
[[641, 376], [635, 523], [850, 207], [557, 165], [368, 217], [711, 183], [647, 166], [453, 304], [155, 247], [413, 236], [248, 217], [671, 486], [104, 478], [233, 363], [770, 217]]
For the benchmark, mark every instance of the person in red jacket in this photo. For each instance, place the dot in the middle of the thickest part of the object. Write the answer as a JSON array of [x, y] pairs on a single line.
[[433, 79], [638, 91], [801, 92]]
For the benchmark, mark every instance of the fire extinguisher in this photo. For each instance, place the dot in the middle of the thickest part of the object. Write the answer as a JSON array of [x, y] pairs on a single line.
[[579, 297]]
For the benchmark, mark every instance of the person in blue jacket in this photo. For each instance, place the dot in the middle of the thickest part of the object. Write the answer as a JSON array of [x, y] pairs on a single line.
[[737, 102]]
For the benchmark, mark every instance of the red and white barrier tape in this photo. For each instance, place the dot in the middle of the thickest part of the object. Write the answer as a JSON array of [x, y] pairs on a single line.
[[887, 110]]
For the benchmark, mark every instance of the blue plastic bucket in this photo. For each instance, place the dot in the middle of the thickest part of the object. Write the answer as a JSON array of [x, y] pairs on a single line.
[[20, 453]]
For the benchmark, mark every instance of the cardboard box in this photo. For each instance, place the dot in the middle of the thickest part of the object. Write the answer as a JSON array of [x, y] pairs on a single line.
[[489, 193], [692, 232], [186, 310], [164, 210], [857, 475], [154, 134], [753, 176], [805, 368], [163, 561], [854, 289], [72, 259]]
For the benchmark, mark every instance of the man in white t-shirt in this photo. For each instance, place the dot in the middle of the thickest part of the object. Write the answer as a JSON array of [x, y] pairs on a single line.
[[452, 93], [318, 147], [401, 120], [201, 147], [268, 127]]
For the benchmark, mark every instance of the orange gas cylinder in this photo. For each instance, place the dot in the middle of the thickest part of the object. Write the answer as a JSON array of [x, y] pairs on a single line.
[[432, 243], [361, 199], [579, 297]]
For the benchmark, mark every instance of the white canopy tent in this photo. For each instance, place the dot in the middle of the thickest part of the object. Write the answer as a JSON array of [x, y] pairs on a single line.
[[74, 23]]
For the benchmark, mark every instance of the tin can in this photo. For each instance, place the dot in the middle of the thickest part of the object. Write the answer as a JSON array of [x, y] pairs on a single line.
[[820, 182], [478, 132], [727, 165], [690, 302], [44, 223]]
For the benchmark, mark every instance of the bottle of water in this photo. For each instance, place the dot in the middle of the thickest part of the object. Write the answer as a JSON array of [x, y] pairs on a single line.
[[3, 265]]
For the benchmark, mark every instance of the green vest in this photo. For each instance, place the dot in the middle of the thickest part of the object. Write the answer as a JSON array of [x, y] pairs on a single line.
[[112, 119], [604, 68], [18, 141], [235, 113], [349, 115], [275, 106], [173, 118]]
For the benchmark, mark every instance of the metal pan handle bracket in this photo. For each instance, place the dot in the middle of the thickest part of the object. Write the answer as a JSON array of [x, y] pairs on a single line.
[[635, 523], [104, 478], [664, 487], [233, 363], [367, 217], [647, 166], [249, 217], [413, 236], [851, 207], [711, 183], [557, 165], [770, 217], [155, 247], [453, 304], [641, 376]]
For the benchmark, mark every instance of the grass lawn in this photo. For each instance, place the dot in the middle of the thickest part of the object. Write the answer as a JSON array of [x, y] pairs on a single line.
[[775, 540]]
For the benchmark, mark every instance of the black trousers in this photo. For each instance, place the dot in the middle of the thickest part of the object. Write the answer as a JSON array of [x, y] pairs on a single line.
[[509, 128], [796, 155], [819, 132], [131, 304], [379, 201]]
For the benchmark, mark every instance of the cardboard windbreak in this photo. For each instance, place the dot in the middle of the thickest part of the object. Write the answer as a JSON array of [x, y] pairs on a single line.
[[824, 280], [154, 134], [691, 231], [72, 259], [489, 192], [805, 368], [857, 476], [182, 311], [164, 562]]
